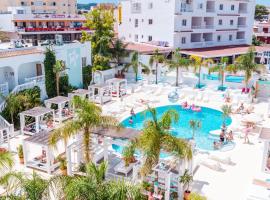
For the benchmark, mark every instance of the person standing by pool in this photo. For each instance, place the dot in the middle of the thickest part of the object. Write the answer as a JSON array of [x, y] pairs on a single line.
[[222, 136], [132, 113]]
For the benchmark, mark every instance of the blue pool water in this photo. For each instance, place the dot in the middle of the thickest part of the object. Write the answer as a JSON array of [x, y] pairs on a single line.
[[210, 119], [229, 78]]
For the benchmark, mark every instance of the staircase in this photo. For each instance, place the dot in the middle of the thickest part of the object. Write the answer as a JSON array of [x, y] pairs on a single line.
[[29, 83]]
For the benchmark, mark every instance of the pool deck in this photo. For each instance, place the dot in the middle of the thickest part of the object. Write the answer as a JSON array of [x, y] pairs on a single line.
[[233, 184]]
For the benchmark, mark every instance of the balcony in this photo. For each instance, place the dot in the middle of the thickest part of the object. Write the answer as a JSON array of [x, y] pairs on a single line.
[[203, 27], [51, 29], [241, 26], [186, 7], [210, 6]]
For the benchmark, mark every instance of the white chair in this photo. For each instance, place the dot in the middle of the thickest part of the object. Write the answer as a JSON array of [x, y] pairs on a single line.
[[123, 169]]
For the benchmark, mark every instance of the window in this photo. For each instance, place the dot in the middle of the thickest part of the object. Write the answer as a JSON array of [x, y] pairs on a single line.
[[183, 40], [136, 38], [220, 6], [150, 21], [230, 37], [184, 22], [218, 38], [142, 36], [200, 6], [136, 23], [231, 22], [142, 20], [20, 12], [129, 20], [129, 35], [232, 7], [150, 38], [150, 5], [220, 22], [84, 61]]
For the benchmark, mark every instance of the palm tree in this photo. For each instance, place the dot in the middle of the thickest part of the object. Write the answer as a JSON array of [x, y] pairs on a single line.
[[194, 125], [178, 62], [209, 64], [12, 105], [64, 132], [135, 63], [156, 137], [247, 63], [93, 186], [226, 112], [57, 69], [197, 64], [6, 160], [221, 68], [30, 187], [89, 117], [156, 58], [118, 50]]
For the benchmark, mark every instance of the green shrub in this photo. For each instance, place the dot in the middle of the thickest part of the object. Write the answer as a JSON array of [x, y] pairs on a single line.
[[50, 80], [87, 76]]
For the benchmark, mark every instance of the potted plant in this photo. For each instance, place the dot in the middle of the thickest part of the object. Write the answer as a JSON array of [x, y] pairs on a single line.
[[186, 179], [128, 154], [63, 164], [20, 154]]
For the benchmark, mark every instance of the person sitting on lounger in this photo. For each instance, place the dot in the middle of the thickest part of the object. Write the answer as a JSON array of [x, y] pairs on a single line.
[[229, 137], [241, 108]]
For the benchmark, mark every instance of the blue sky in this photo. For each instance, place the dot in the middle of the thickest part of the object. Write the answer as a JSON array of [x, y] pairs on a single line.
[[265, 2]]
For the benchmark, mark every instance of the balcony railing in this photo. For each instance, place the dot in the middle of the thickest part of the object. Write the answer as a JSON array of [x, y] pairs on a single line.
[[242, 12], [241, 26], [4, 89], [21, 29], [203, 27], [211, 10], [37, 79]]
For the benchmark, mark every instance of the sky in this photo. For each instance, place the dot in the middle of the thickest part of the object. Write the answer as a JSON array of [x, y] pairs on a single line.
[[265, 2]]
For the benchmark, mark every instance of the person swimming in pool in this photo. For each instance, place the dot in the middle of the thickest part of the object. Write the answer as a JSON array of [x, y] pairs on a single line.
[[130, 120]]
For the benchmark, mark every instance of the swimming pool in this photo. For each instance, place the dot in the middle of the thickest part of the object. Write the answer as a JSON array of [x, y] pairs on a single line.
[[229, 78], [211, 120]]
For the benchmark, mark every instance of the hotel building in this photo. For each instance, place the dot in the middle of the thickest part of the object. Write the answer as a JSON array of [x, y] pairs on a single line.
[[42, 6], [186, 23]]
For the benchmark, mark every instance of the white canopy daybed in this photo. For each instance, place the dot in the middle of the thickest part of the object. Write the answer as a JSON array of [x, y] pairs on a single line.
[[38, 154], [83, 93], [118, 87], [64, 108], [43, 120], [100, 93]]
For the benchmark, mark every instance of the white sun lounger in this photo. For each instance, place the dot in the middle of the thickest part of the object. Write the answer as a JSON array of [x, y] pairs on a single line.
[[98, 155], [226, 161], [121, 168], [216, 166]]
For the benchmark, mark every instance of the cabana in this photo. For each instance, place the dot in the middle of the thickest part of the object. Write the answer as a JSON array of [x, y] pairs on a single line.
[[43, 120], [102, 141], [64, 108], [39, 155], [84, 94], [100, 93], [265, 137], [118, 87]]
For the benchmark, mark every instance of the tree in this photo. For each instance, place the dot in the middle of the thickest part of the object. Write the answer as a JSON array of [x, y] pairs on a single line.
[[255, 41], [6, 160], [58, 68], [30, 187], [186, 179], [135, 64], [155, 137], [197, 64], [260, 12], [118, 50], [194, 125], [221, 67], [156, 59], [246, 62], [226, 112], [102, 22], [178, 62], [89, 117], [209, 63], [50, 80], [93, 186]]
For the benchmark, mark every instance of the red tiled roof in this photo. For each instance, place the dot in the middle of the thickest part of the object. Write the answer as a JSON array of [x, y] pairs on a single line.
[[221, 51], [147, 48]]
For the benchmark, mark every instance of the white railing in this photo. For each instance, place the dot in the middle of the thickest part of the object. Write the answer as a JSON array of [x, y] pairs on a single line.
[[17, 89], [203, 27], [4, 89], [38, 79]]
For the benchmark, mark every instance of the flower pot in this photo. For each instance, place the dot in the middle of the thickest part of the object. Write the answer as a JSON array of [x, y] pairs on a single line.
[[187, 195], [21, 161], [64, 171]]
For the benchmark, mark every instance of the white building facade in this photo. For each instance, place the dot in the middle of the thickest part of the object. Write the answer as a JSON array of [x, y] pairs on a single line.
[[187, 23]]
